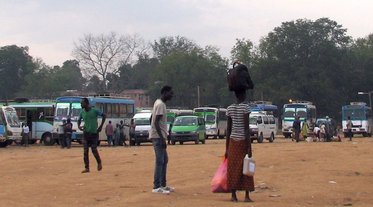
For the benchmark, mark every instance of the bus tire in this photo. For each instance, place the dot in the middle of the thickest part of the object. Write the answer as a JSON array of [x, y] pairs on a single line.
[[173, 142], [48, 140], [365, 135], [98, 142], [196, 141], [132, 143], [181, 142], [3, 144], [9, 142], [271, 138], [260, 138]]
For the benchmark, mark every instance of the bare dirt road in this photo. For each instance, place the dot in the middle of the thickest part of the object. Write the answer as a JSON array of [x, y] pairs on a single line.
[[288, 174]]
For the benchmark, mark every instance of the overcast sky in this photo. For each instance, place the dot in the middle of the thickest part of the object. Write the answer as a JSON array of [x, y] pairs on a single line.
[[50, 27]]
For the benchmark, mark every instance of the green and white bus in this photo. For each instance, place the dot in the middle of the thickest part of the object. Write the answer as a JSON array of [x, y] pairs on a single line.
[[38, 115], [215, 120], [115, 108]]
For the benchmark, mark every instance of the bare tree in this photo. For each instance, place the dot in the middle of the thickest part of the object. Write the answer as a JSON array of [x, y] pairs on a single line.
[[104, 54]]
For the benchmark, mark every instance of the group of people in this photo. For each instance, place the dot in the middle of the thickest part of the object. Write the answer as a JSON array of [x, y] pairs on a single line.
[[116, 136], [238, 143]]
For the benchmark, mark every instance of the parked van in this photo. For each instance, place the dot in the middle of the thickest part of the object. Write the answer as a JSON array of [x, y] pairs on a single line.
[[188, 128], [262, 126], [142, 122]]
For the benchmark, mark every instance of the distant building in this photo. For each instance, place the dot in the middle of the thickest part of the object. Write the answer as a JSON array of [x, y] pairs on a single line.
[[140, 96]]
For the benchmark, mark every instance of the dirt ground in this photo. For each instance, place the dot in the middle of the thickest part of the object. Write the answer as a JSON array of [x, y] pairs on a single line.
[[288, 174]]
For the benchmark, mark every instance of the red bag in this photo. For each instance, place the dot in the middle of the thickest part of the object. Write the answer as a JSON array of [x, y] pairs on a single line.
[[219, 183]]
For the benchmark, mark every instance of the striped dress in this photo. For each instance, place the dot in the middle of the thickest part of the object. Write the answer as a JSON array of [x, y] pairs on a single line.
[[237, 149]]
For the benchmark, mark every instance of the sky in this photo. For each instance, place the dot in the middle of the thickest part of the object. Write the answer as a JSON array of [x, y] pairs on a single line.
[[50, 27]]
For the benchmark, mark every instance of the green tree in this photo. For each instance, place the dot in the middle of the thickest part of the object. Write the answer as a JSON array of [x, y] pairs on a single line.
[[15, 65], [187, 71], [304, 60]]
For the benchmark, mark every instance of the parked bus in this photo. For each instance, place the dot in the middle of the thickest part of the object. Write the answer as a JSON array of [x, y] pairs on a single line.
[[10, 126], [38, 115], [215, 120], [115, 108], [361, 117], [306, 112]]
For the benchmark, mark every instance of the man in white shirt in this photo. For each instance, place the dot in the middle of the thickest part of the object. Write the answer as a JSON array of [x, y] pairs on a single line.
[[158, 135]]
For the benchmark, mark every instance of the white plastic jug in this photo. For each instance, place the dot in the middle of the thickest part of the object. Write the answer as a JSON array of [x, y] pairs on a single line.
[[248, 166]]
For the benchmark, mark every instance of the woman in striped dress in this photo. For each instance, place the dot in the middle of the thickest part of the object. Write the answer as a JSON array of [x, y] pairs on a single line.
[[238, 144]]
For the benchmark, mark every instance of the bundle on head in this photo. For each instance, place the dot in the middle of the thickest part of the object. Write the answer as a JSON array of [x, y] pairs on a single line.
[[239, 78]]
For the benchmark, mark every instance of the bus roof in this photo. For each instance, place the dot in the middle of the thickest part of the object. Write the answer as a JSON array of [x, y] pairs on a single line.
[[93, 100]]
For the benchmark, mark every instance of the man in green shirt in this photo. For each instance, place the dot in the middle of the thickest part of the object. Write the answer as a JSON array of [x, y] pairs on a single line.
[[90, 132]]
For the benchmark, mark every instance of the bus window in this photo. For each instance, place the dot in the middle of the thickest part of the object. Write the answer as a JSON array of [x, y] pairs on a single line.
[[222, 115], [265, 120], [302, 112], [289, 112], [76, 108], [62, 109], [259, 120], [210, 118], [272, 120], [12, 118]]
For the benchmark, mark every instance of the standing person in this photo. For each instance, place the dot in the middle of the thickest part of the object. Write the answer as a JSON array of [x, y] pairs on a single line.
[[121, 130], [296, 128], [109, 131], [132, 130], [62, 134], [238, 144], [68, 129], [158, 135], [116, 135], [25, 134], [90, 132], [349, 128], [305, 130]]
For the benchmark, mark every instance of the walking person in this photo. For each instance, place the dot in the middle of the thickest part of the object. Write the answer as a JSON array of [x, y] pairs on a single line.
[[62, 134], [116, 135], [238, 144], [122, 141], [68, 129], [25, 134], [132, 131], [158, 135], [90, 132], [109, 131], [296, 128], [349, 128]]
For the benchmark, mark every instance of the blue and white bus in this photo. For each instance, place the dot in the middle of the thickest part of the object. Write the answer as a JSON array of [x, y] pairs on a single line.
[[10, 126], [306, 112], [115, 108], [38, 115], [361, 117], [215, 119]]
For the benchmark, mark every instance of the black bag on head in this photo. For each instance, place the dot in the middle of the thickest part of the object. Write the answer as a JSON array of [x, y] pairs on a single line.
[[239, 78]]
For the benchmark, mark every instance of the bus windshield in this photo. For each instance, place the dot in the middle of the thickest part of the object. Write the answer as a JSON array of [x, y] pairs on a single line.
[[302, 112], [62, 110], [252, 120], [12, 118], [289, 112], [76, 108], [210, 118], [354, 114]]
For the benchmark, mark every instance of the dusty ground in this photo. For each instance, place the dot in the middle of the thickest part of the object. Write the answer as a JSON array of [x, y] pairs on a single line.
[[288, 174]]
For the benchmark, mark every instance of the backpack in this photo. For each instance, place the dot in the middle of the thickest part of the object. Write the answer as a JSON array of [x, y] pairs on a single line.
[[239, 78]]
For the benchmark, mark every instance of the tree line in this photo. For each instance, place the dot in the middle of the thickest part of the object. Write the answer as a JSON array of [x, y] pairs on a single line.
[[300, 60]]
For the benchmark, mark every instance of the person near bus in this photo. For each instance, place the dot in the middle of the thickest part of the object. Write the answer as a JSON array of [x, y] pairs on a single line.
[[296, 128], [305, 130], [25, 134], [90, 132], [109, 131], [116, 135], [68, 131], [122, 141], [132, 130], [349, 128]]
